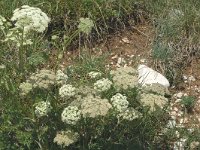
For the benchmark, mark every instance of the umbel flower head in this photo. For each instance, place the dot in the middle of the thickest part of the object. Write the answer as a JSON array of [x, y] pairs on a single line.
[[102, 85], [30, 18], [120, 102], [14, 35], [67, 91], [129, 114], [42, 108], [153, 100], [124, 78], [85, 25], [25, 88], [94, 74], [61, 77], [71, 115], [94, 106], [65, 138], [43, 79]]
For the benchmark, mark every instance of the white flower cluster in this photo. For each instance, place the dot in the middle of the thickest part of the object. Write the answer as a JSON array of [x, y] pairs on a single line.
[[156, 88], [2, 22], [119, 102], [129, 114], [152, 100], [30, 19], [42, 109], [85, 25], [43, 79], [94, 106], [61, 77], [65, 138], [25, 88], [67, 91], [14, 35], [71, 115], [124, 77], [94, 74], [102, 85]]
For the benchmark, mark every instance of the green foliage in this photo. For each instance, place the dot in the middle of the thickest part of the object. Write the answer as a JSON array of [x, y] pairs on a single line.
[[188, 102], [36, 59], [21, 128]]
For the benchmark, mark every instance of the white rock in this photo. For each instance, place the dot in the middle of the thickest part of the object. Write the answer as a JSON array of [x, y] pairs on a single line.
[[150, 76], [173, 113], [191, 78], [177, 101], [176, 109], [143, 60], [126, 40], [184, 77], [173, 117], [179, 95], [120, 61]]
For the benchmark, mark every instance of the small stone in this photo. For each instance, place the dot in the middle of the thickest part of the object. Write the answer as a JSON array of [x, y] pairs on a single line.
[[142, 60], [181, 121], [191, 130], [126, 40], [125, 65], [179, 95], [173, 113], [130, 62], [176, 109], [179, 114], [178, 100], [114, 57], [177, 134], [191, 78], [120, 60], [173, 117], [184, 77], [194, 145]]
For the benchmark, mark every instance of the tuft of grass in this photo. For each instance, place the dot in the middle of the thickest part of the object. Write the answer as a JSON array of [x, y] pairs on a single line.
[[188, 102]]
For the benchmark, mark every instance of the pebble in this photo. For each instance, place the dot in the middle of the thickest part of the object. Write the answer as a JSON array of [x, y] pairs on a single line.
[[143, 60], [177, 134], [194, 145], [173, 117], [178, 100], [120, 60], [179, 95], [173, 113], [175, 109], [179, 114], [191, 130], [184, 77], [191, 78], [126, 40]]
